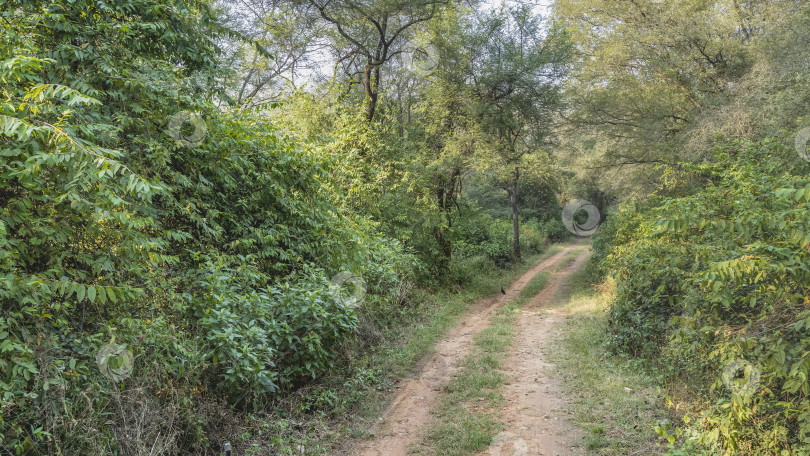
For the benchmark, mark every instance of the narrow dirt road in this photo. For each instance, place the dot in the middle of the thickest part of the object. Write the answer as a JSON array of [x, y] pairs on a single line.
[[536, 422], [410, 412]]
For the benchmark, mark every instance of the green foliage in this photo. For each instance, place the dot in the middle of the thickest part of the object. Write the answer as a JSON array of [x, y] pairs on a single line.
[[645, 302], [619, 228], [209, 259], [486, 236], [259, 338], [490, 237], [663, 78], [552, 228], [720, 276]]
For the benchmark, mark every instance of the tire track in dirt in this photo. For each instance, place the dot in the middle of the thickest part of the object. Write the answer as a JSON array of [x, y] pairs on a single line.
[[409, 413], [535, 415]]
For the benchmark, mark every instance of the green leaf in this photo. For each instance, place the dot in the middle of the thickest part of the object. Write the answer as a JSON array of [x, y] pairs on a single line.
[[102, 295]]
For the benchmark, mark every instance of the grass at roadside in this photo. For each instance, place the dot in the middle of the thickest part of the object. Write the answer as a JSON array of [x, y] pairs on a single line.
[[614, 403]]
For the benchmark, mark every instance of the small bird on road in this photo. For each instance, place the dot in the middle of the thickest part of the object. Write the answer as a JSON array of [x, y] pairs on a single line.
[[503, 291]]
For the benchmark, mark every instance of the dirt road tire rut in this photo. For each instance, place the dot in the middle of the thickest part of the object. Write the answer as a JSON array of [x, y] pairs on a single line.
[[409, 414], [535, 415]]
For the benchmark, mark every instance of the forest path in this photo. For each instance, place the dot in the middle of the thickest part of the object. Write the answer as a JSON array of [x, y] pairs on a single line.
[[535, 411], [409, 414]]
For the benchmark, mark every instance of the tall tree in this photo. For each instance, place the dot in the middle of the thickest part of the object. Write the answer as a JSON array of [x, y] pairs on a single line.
[[373, 33], [516, 73]]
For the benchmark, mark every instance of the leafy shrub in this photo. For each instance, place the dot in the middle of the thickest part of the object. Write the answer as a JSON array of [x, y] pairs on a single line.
[[618, 228], [722, 276], [553, 229], [639, 319], [486, 236], [533, 238], [491, 237], [462, 270], [262, 336]]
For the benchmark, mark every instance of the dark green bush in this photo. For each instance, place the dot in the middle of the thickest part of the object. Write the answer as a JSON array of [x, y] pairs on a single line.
[[618, 228], [719, 277], [647, 291], [553, 229], [483, 235], [462, 270], [486, 236]]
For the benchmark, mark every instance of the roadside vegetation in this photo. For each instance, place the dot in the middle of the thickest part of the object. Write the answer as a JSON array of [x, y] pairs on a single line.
[[326, 414], [618, 404], [717, 278], [695, 114]]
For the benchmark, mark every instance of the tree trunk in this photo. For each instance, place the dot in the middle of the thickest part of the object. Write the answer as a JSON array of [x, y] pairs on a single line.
[[438, 234], [446, 188], [372, 86], [515, 221], [445, 250]]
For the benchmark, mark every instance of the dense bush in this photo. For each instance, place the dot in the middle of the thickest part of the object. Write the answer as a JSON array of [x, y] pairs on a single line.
[[722, 275], [618, 228], [491, 237], [645, 301], [552, 228]]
